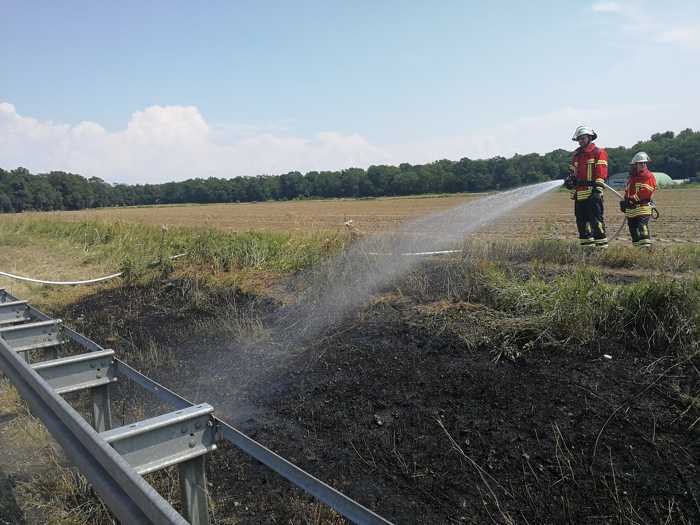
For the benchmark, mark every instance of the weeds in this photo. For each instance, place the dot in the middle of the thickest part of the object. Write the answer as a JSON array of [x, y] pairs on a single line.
[[568, 309], [137, 248], [666, 259], [64, 496], [652, 315]]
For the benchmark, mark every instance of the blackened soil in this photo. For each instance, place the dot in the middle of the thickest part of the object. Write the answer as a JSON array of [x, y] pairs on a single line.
[[418, 412], [417, 426]]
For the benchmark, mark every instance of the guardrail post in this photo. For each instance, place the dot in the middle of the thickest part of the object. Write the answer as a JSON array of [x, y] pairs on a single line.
[[101, 409], [193, 491]]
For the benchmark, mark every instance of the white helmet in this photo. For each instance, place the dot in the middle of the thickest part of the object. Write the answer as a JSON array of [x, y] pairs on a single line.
[[639, 158], [584, 130]]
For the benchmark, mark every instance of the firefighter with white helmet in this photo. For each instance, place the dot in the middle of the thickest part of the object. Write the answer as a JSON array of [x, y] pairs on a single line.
[[587, 174], [638, 205]]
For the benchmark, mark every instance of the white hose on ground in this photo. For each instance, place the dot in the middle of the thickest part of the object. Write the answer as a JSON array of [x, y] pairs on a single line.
[[441, 252], [71, 283], [40, 281]]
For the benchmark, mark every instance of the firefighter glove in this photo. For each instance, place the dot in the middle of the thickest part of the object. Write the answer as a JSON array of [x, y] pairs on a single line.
[[623, 205], [597, 193], [570, 182]]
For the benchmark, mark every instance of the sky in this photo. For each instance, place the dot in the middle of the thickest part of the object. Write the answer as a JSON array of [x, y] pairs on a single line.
[[148, 92]]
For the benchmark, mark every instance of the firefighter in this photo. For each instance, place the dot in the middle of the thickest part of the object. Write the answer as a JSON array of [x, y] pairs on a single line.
[[638, 205], [587, 173]]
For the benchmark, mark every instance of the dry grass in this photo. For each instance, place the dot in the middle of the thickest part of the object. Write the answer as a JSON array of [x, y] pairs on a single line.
[[63, 496], [46, 491], [549, 216], [10, 400], [292, 216], [57, 260]]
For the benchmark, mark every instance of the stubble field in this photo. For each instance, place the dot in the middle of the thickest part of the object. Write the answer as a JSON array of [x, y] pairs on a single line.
[[549, 217]]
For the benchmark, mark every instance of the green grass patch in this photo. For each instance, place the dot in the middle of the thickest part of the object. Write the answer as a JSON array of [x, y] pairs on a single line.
[[134, 248], [677, 258], [658, 315]]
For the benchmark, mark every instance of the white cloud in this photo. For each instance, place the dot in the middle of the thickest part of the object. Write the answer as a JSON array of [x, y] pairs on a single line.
[[616, 126], [164, 143], [685, 35], [607, 7], [645, 22], [175, 142]]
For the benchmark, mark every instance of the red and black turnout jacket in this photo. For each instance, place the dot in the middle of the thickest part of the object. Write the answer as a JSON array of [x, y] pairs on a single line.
[[590, 168]]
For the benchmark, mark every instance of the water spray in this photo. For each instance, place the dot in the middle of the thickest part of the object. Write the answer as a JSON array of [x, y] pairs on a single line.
[[329, 293], [347, 282]]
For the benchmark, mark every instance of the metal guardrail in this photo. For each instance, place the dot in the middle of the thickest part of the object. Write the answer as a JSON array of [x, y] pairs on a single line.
[[115, 477], [125, 492]]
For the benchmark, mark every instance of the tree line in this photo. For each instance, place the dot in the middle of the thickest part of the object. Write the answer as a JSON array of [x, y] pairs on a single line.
[[677, 155]]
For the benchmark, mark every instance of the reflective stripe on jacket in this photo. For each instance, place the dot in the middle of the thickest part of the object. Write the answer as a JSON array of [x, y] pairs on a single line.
[[590, 166], [639, 192]]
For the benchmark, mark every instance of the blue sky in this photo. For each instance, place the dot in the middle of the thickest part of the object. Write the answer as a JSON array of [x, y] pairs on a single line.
[[155, 91]]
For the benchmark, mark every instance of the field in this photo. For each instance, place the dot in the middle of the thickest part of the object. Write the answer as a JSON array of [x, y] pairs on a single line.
[[521, 381], [369, 214], [549, 217]]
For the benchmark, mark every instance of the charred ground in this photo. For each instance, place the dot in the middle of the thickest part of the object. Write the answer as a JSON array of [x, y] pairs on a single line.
[[474, 389], [453, 397]]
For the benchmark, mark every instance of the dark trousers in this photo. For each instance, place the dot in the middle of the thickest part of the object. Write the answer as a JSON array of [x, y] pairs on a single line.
[[590, 222], [639, 230]]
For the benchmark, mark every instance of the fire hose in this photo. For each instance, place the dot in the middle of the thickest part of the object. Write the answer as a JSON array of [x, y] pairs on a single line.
[[654, 211], [624, 220], [72, 283]]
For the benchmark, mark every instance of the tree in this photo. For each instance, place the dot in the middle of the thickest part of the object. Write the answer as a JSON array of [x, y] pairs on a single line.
[[678, 155]]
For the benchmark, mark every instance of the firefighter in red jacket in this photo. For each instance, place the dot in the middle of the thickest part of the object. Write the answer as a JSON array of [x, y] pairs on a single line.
[[638, 205], [587, 173]]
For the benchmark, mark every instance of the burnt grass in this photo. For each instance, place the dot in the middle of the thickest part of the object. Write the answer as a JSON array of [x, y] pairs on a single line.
[[423, 411], [435, 433]]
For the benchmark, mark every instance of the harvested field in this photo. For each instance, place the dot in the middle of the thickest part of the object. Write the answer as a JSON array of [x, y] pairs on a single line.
[[552, 217], [548, 217], [296, 216]]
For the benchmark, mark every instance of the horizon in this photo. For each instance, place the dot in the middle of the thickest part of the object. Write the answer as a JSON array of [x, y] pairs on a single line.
[[304, 173]]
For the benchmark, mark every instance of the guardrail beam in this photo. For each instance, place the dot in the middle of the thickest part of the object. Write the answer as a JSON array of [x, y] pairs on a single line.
[[194, 481], [14, 312], [33, 336], [78, 372], [162, 441], [125, 492]]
